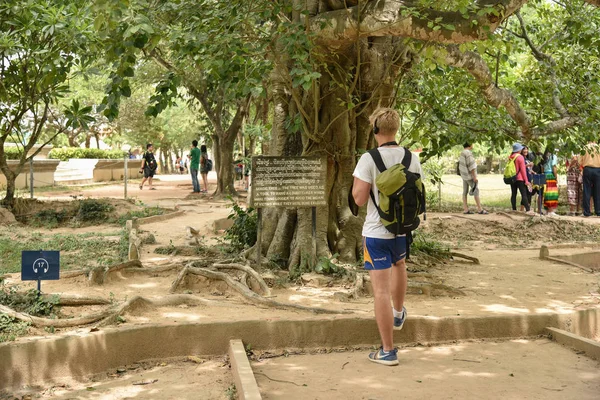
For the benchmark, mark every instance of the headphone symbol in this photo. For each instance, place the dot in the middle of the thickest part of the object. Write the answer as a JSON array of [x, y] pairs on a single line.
[[41, 263]]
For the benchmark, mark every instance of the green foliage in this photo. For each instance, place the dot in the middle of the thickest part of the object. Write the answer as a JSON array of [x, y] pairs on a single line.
[[94, 210], [13, 153], [244, 230], [29, 302], [66, 153], [326, 266], [143, 213], [11, 328], [50, 218], [426, 243], [77, 251]]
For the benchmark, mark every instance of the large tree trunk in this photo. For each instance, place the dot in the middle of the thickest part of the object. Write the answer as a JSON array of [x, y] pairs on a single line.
[[341, 133], [11, 177], [223, 149]]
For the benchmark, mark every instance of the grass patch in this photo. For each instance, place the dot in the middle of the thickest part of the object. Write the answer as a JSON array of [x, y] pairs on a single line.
[[143, 213], [77, 250]]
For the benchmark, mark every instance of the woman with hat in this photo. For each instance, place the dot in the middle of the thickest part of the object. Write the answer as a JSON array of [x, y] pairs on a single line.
[[521, 182]]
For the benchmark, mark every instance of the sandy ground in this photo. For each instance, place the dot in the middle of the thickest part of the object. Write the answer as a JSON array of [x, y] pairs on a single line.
[[163, 381], [509, 280], [518, 369]]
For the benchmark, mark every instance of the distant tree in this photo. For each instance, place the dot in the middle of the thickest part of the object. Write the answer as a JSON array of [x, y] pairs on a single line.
[[41, 43]]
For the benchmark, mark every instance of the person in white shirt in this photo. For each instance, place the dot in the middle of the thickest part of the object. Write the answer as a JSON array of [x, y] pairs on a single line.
[[384, 252], [467, 167]]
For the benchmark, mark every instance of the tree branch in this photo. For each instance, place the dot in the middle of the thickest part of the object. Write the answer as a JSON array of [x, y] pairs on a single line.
[[398, 18]]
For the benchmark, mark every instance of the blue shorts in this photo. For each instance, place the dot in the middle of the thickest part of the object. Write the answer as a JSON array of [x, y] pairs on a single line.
[[382, 253]]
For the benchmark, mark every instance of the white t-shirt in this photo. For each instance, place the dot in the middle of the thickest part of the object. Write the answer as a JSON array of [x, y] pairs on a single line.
[[367, 171]]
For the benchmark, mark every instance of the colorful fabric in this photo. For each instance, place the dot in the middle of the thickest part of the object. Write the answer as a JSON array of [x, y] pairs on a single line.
[[574, 186], [551, 192]]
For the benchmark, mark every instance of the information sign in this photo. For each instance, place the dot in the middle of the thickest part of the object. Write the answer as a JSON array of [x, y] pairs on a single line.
[[288, 182], [40, 265]]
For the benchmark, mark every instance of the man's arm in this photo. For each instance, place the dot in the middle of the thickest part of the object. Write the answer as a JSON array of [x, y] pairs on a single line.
[[360, 191], [143, 163]]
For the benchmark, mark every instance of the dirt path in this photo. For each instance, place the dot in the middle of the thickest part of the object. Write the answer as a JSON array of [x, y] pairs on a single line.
[[162, 381], [518, 369]]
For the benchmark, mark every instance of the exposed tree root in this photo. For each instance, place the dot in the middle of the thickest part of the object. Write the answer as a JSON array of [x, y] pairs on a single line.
[[71, 300], [460, 255], [57, 323], [243, 290], [139, 302], [359, 286], [98, 275], [507, 215], [153, 270], [107, 316], [73, 274], [247, 270]]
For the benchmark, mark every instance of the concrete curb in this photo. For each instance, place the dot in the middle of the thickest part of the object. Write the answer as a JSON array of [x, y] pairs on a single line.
[[82, 353], [157, 218], [245, 382], [590, 347]]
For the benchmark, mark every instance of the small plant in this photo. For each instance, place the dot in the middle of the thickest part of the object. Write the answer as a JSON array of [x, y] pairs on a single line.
[[93, 210], [231, 392], [326, 266], [11, 328], [243, 232], [145, 212], [49, 218], [167, 250], [29, 302]]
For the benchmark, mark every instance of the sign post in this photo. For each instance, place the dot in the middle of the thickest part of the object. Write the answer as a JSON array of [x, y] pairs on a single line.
[[290, 182], [40, 266]]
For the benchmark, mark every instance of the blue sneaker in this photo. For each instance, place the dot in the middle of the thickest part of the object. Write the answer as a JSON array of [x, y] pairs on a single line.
[[384, 357], [399, 321]]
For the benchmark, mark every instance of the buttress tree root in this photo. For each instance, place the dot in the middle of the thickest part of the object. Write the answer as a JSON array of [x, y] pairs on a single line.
[[244, 290]]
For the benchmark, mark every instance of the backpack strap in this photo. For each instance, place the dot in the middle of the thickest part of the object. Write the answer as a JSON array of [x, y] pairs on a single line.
[[407, 158], [376, 156]]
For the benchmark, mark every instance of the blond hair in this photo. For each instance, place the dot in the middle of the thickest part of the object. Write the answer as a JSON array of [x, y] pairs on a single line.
[[386, 119]]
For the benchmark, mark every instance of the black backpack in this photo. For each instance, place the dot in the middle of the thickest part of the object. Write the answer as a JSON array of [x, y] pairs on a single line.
[[401, 194]]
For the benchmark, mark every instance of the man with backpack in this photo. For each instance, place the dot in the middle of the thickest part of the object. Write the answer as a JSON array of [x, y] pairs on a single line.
[[388, 178], [149, 167], [195, 166], [467, 168]]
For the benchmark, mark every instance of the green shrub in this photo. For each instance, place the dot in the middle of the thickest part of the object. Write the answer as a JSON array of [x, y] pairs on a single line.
[[12, 153], [66, 153], [11, 328], [29, 302], [243, 232], [50, 218], [93, 210]]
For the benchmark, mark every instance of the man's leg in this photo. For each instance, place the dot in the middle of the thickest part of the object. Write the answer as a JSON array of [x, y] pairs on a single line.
[[596, 190], [150, 181], [380, 279], [587, 190], [399, 284], [465, 193]]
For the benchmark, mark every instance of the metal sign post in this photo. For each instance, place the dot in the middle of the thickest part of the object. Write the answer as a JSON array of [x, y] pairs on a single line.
[[40, 266], [31, 178], [125, 177]]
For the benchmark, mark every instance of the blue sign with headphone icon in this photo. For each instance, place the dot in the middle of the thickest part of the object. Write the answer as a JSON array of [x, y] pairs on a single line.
[[40, 265]]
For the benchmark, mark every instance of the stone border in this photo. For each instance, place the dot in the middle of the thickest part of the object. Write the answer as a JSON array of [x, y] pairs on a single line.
[[590, 347], [82, 353], [157, 218], [245, 382]]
